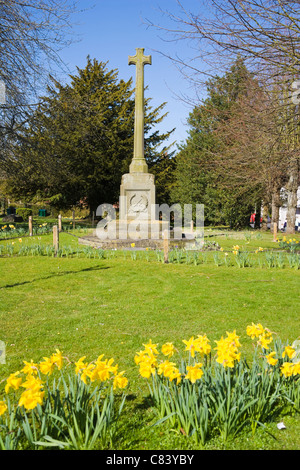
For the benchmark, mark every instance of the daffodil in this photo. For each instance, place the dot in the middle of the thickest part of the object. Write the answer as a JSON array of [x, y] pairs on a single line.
[[3, 407], [30, 368], [168, 349], [174, 374], [13, 382], [287, 369], [103, 369], [47, 366], [87, 372], [265, 339], [30, 399], [147, 369], [80, 365], [254, 331], [194, 372], [271, 358], [150, 347], [296, 368], [190, 346], [289, 352], [202, 345], [32, 383], [139, 357], [57, 359], [165, 368], [227, 350], [120, 381]]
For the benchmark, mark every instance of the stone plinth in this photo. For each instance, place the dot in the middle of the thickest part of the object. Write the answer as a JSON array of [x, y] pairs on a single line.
[[137, 197]]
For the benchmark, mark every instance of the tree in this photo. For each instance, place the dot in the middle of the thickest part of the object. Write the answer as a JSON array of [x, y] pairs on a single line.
[[32, 33], [79, 141], [266, 35], [204, 170]]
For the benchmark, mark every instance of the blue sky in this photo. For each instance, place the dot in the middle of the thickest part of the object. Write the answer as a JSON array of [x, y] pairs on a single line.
[[111, 30]]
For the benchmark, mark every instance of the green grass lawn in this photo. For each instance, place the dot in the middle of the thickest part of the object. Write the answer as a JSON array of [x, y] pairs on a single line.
[[112, 306]]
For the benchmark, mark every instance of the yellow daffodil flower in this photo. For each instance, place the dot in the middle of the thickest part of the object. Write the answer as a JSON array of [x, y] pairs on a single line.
[[57, 359], [190, 346], [289, 352], [271, 359], [150, 348], [3, 407], [80, 365], [254, 331], [287, 369], [30, 368], [30, 399], [202, 345], [32, 383], [168, 349], [120, 381], [47, 366], [194, 373], [146, 369], [13, 382]]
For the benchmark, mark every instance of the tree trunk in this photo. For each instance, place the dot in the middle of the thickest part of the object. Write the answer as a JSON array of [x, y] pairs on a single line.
[[258, 215], [292, 188], [265, 213], [276, 204]]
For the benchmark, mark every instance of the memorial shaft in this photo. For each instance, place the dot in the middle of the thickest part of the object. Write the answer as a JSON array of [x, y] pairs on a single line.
[[138, 164]]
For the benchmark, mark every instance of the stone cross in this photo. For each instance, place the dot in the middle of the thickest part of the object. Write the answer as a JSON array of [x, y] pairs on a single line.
[[138, 164]]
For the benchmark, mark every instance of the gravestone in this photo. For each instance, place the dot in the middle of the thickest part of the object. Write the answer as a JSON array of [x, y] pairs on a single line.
[[137, 191]]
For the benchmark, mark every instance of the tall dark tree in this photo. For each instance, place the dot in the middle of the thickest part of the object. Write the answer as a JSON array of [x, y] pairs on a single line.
[[80, 140]]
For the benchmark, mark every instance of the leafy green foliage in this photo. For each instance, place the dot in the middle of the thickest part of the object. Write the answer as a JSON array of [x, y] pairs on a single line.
[[79, 141], [200, 176]]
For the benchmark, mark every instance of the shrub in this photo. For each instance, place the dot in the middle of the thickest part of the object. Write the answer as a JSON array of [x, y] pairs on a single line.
[[24, 212]]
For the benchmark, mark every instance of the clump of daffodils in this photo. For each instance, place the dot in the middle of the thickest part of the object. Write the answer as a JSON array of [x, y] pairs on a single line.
[[228, 350], [100, 370], [227, 354], [291, 364], [32, 378], [263, 335], [236, 249], [147, 360], [149, 364]]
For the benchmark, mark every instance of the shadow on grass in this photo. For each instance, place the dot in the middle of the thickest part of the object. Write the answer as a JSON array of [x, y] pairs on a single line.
[[141, 417], [17, 284]]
